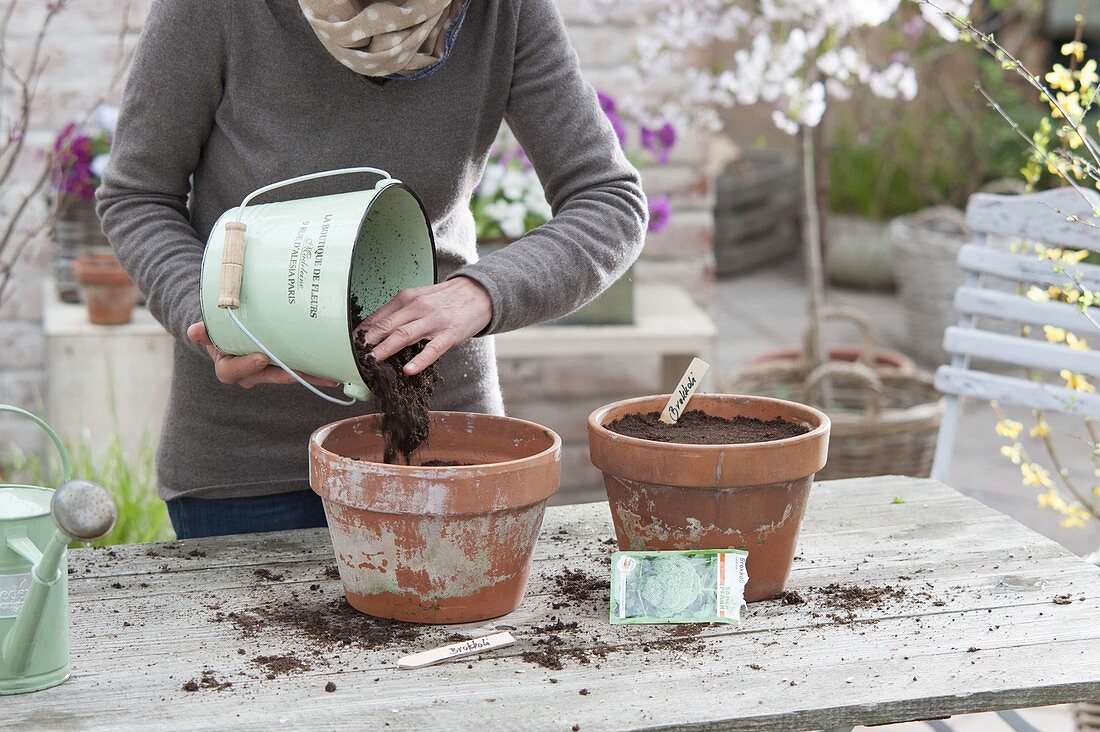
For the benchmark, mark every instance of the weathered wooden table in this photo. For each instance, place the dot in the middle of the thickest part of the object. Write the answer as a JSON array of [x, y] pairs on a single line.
[[981, 614]]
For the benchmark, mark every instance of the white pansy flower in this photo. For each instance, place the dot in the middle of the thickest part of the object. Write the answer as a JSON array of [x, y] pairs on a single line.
[[513, 183], [490, 180], [106, 118], [99, 164], [514, 221]]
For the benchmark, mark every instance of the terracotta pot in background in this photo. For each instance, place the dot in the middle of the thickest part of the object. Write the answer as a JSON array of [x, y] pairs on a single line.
[[109, 293], [436, 544], [750, 496]]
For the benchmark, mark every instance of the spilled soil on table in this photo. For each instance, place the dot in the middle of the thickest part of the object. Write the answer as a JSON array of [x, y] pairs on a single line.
[[699, 428], [329, 626]]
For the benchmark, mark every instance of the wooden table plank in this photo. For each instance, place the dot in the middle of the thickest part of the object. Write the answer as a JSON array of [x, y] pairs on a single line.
[[974, 579]]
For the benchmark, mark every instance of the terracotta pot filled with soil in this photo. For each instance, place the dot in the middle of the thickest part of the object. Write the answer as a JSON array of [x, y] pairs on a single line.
[[733, 472], [109, 293], [447, 538]]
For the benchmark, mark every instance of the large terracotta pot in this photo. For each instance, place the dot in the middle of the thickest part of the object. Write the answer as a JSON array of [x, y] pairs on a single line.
[[109, 293], [750, 496], [883, 358], [436, 544]]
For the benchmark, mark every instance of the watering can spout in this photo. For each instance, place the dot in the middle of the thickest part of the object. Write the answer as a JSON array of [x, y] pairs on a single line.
[[82, 511]]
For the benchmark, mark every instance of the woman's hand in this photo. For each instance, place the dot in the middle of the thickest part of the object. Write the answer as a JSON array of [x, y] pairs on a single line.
[[445, 314], [246, 371]]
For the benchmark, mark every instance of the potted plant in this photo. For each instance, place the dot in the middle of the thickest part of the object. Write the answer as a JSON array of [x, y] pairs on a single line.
[[509, 202], [733, 472], [109, 293], [81, 152]]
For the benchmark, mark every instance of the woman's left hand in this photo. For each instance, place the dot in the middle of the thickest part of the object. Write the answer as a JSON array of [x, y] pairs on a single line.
[[445, 314]]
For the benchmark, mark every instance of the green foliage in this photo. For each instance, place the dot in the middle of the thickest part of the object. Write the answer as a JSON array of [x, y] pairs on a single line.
[[889, 158], [142, 517]]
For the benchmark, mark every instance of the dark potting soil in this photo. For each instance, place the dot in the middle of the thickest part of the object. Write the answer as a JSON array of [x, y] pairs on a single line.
[[326, 626], [268, 575], [207, 681], [403, 400], [444, 464], [699, 428], [281, 665]]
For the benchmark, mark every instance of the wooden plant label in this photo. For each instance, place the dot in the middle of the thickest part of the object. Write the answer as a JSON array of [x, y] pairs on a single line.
[[456, 650], [681, 395]]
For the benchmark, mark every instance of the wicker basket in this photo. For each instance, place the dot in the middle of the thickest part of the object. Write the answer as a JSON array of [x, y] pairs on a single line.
[[885, 421], [925, 246]]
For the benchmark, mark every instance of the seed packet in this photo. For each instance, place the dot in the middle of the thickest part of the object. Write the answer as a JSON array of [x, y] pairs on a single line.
[[697, 586]]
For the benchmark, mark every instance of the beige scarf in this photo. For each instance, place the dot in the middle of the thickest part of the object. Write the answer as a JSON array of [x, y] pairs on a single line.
[[383, 37]]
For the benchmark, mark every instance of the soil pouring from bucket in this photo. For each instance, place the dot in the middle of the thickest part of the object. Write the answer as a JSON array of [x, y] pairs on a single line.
[[733, 472], [448, 537]]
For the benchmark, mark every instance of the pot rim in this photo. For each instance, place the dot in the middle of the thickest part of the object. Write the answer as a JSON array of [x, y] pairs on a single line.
[[316, 442], [596, 419]]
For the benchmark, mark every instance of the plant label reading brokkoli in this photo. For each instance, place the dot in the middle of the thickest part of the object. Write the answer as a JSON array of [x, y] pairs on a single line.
[[697, 586]]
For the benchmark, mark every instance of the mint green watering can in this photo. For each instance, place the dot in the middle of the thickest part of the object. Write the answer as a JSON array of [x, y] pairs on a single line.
[[36, 524], [307, 259]]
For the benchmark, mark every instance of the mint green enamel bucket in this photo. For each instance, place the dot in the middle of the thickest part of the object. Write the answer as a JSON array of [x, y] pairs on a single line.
[[277, 278]]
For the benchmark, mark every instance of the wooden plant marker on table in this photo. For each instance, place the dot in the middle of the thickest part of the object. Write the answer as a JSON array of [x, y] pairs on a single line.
[[456, 650], [683, 392]]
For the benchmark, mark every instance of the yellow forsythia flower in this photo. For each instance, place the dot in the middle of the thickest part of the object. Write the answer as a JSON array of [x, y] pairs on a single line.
[[1075, 257], [1035, 474], [1012, 452], [1075, 343], [1077, 382], [1040, 430], [1087, 76], [1074, 49], [1009, 428], [1038, 295], [1054, 335], [1060, 77]]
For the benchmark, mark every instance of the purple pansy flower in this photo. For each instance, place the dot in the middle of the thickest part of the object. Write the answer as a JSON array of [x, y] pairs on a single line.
[[660, 210], [607, 103], [659, 141]]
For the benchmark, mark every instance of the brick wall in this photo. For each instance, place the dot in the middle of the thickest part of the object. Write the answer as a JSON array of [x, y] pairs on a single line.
[[557, 392], [80, 59]]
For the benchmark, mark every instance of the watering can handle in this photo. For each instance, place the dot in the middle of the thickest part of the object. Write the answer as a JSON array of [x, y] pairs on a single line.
[[229, 293], [66, 467]]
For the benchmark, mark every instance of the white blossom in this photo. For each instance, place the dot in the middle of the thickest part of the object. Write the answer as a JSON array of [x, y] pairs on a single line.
[[791, 54]]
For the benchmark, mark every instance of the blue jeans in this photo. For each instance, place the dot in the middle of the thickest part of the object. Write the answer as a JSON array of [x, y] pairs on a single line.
[[195, 517]]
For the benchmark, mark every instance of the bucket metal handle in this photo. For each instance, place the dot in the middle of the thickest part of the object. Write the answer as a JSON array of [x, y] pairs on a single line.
[[66, 466], [229, 293]]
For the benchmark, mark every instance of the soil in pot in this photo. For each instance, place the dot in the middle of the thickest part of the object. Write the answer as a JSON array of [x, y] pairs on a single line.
[[699, 428], [735, 476]]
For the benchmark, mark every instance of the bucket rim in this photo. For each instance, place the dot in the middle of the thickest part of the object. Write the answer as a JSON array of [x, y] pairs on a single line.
[[44, 510]]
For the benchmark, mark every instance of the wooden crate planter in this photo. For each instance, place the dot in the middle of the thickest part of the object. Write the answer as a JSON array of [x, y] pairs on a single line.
[[758, 212]]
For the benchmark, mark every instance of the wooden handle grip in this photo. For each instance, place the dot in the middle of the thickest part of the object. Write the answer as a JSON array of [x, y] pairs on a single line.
[[229, 295]]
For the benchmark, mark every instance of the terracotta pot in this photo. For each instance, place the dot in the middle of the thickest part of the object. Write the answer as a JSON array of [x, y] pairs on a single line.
[[751, 496], [883, 357], [109, 293], [436, 544]]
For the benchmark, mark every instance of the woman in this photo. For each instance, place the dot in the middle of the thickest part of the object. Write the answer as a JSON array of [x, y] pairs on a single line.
[[228, 95]]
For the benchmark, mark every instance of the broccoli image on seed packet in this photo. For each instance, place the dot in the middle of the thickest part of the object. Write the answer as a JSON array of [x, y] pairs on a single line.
[[704, 586]]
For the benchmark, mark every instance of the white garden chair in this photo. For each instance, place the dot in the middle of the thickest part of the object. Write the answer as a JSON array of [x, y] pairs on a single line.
[[1063, 218], [1046, 218]]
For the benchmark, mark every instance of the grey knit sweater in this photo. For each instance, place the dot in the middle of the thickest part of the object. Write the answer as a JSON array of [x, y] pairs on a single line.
[[228, 95]]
